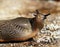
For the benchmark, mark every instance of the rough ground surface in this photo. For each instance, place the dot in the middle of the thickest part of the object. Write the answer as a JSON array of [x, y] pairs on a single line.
[[49, 36]]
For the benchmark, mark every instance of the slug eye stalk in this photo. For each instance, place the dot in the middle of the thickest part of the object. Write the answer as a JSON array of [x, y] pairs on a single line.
[[44, 16]]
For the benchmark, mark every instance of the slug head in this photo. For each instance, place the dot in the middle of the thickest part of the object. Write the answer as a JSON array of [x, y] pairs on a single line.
[[38, 21]]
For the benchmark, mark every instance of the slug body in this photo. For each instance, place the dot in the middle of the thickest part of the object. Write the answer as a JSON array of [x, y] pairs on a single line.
[[19, 29], [16, 30]]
